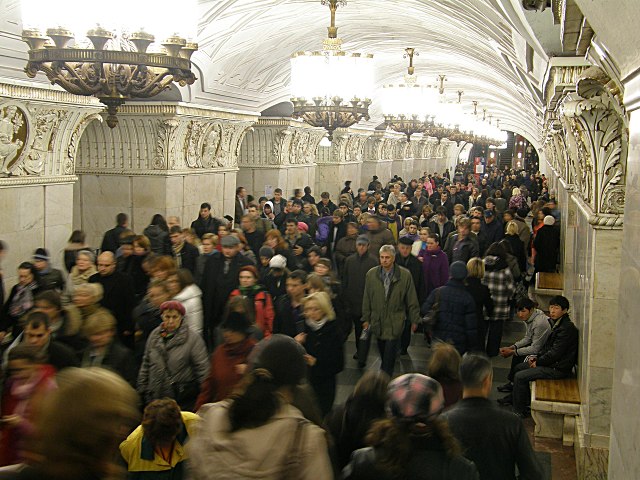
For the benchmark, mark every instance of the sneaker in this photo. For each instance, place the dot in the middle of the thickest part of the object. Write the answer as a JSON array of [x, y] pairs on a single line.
[[506, 388], [508, 400]]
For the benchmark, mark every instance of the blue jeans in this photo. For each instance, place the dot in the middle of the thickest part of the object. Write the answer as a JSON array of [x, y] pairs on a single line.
[[525, 374], [388, 352]]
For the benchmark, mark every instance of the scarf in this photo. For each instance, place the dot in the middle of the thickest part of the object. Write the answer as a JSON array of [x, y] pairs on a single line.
[[23, 301], [250, 291], [80, 278], [315, 326]]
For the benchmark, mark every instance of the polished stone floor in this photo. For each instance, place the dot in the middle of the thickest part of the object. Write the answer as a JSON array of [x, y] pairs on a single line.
[[558, 460]]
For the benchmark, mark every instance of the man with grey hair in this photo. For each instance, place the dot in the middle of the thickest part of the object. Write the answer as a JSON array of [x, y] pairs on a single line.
[[494, 439], [389, 298]]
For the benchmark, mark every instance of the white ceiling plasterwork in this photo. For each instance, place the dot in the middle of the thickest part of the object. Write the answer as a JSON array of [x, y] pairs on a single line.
[[245, 47]]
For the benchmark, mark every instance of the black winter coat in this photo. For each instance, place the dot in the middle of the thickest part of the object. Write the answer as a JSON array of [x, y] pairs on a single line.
[[326, 346], [287, 321], [353, 279], [217, 286], [119, 298], [160, 243], [428, 461], [118, 359], [202, 226], [188, 257], [457, 322], [447, 228], [560, 351], [111, 240], [494, 230], [481, 296], [547, 245], [494, 439], [414, 266]]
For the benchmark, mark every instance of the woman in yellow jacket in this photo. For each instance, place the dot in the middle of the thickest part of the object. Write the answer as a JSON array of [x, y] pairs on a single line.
[[156, 449]]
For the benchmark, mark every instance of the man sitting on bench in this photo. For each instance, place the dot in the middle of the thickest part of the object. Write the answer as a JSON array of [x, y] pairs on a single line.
[[555, 360], [538, 330]]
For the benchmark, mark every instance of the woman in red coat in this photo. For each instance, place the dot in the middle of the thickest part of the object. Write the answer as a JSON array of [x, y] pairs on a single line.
[[28, 381], [263, 313], [228, 361]]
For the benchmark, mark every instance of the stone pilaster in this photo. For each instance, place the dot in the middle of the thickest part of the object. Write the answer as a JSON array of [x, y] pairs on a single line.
[[341, 161], [278, 152], [39, 133], [163, 158], [586, 145]]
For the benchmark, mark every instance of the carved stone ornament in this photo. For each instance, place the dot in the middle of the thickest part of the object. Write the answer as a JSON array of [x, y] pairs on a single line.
[[70, 162], [596, 128], [14, 133], [165, 144]]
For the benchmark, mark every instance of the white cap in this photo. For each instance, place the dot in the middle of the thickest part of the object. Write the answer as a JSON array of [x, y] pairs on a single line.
[[278, 261]]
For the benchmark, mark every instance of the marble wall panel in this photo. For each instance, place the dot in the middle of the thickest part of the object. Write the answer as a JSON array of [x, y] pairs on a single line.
[[56, 237], [174, 188], [625, 435], [31, 208], [58, 206], [229, 196], [9, 201], [598, 421], [328, 179], [148, 192]]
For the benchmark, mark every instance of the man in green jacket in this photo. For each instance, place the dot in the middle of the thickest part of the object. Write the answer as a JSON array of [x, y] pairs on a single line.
[[389, 298]]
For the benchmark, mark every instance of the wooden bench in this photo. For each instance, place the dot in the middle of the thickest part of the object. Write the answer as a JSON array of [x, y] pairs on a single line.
[[546, 286], [554, 407]]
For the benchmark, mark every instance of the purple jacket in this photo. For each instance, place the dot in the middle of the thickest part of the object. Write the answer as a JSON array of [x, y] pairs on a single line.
[[435, 268]]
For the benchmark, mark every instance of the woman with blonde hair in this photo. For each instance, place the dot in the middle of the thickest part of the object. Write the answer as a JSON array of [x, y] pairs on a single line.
[[322, 340], [83, 269], [443, 367], [481, 295]]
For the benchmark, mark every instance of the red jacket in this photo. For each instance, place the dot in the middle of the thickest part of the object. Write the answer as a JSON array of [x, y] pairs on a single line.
[[22, 399], [263, 309], [224, 374]]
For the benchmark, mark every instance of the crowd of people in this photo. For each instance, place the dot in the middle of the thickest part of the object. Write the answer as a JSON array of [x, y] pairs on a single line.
[[232, 332]]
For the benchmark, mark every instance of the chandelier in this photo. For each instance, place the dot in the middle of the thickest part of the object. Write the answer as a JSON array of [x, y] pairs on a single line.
[[331, 88], [118, 61], [407, 107]]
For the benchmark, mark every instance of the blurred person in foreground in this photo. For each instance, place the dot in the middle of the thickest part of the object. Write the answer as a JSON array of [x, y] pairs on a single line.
[[80, 443]]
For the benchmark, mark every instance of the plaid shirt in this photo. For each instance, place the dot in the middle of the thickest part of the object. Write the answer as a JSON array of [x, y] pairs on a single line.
[[502, 287]]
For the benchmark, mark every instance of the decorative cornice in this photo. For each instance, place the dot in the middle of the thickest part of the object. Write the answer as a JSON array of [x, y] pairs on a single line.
[[179, 109], [41, 93], [37, 180], [147, 172]]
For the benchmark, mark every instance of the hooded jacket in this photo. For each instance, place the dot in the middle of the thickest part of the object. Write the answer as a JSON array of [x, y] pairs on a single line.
[[538, 330], [180, 360], [160, 243], [267, 452], [191, 299]]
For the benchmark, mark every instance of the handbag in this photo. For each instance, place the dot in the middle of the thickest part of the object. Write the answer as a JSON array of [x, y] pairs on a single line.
[[184, 393], [430, 318]]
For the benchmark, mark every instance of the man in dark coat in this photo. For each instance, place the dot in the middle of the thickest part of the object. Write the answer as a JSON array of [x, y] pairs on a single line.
[[118, 297], [555, 360], [205, 223], [186, 255], [456, 321], [220, 278], [49, 278], [547, 245], [337, 230], [492, 227], [111, 240], [37, 333], [462, 246], [354, 275], [289, 317], [494, 439], [441, 225], [411, 263]]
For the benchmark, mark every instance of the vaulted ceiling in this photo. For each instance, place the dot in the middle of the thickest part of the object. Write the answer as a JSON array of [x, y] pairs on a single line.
[[480, 45]]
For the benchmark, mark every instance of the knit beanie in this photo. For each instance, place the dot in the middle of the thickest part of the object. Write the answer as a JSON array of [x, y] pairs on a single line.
[[458, 270], [283, 357]]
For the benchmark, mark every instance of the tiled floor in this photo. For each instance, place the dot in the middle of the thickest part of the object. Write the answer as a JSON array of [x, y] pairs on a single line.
[[559, 461]]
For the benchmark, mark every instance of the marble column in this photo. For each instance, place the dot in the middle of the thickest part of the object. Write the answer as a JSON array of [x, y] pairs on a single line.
[[278, 152], [41, 128], [341, 161], [624, 462], [165, 158], [586, 150]]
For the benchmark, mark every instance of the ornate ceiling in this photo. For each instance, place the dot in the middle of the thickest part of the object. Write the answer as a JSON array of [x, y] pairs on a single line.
[[479, 44]]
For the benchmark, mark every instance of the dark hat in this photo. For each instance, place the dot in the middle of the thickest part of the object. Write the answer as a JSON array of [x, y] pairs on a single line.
[[252, 269], [362, 240], [414, 396], [405, 241], [458, 270], [283, 357], [237, 322], [266, 252], [41, 254], [173, 305], [375, 177], [488, 212], [522, 212], [230, 241]]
